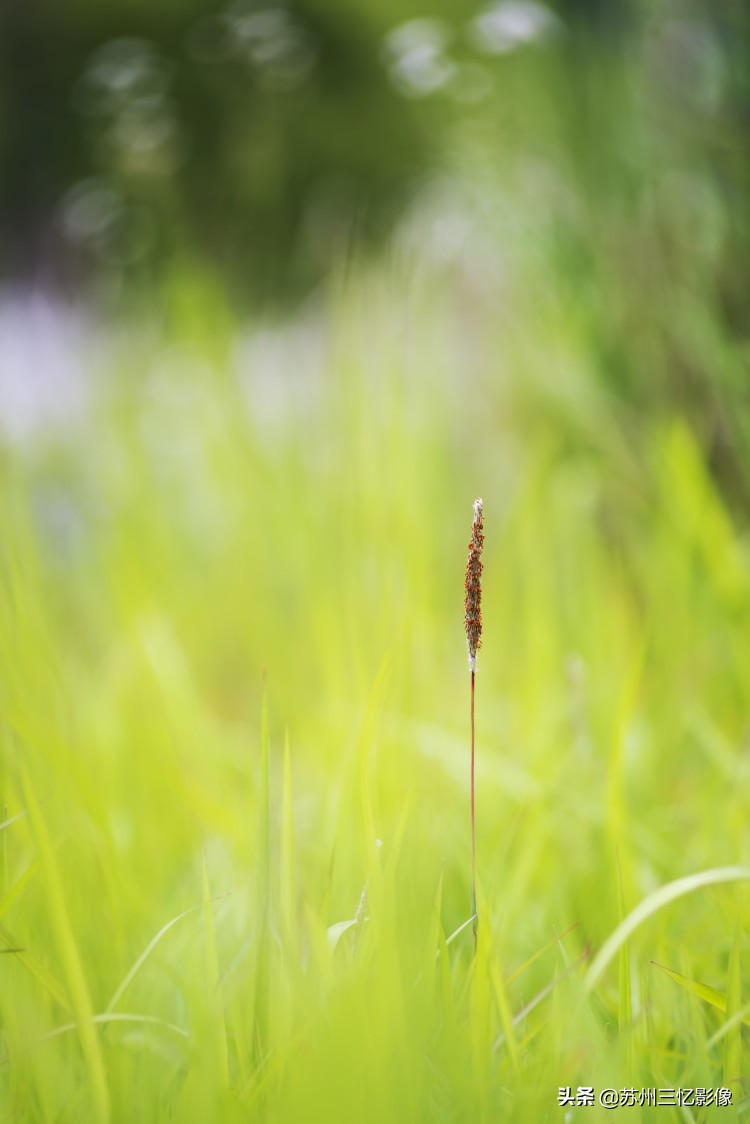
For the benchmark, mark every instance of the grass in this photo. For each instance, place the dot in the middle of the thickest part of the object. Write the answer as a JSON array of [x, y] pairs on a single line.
[[234, 757]]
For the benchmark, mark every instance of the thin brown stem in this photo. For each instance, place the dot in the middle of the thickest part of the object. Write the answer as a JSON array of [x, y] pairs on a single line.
[[473, 840], [473, 622]]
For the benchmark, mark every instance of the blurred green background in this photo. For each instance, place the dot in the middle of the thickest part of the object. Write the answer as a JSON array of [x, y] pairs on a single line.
[[284, 289], [597, 150]]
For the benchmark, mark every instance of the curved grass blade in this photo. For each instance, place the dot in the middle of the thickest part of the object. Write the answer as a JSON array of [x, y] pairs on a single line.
[[13, 819], [117, 1017], [335, 932], [144, 956], [651, 905], [150, 948], [469, 921], [741, 1016]]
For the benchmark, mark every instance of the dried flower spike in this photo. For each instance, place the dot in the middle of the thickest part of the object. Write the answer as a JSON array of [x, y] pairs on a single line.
[[473, 587]]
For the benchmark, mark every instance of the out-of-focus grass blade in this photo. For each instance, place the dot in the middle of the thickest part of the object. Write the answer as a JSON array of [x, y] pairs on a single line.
[[540, 952], [447, 998], [703, 991], [651, 905], [741, 1016], [457, 932], [487, 961], [320, 947], [12, 819], [733, 1039], [480, 1005], [366, 782], [625, 1011], [76, 980], [394, 844], [596, 1014], [17, 889], [122, 988], [212, 981], [433, 942], [118, 1017], [616, 810], [433, 931], [263, 888], [539, 998], [127, 980], [508, 1037], [38, 970], [335, 932], [288, 883], [264, 815]]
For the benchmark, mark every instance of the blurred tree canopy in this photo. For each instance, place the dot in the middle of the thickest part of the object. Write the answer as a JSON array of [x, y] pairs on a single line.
[[263, 139], [264, 135], [251, 133]]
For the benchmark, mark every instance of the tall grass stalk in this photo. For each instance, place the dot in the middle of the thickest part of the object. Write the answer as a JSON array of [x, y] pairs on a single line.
[[473, 621]]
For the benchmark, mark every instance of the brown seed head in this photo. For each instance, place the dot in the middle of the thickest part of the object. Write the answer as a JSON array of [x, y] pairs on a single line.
[[473, 587]]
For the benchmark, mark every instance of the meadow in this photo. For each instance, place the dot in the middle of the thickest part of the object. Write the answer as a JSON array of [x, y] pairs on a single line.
[[234, 747]]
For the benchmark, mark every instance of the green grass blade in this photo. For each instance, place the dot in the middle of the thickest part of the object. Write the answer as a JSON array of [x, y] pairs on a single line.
[[433, 931], [651, 905], [263, 892], [461, 928], [75, 976], [17, 889], [264, 813], [703, 991], [287, 880], [213, 987], [741, 1016], [119, 1017], [548, 989], [127, 980], [335, 932], [539, 953], [732, 1061], [13, 819], [625, 995], [508, 1036], [38, 970]]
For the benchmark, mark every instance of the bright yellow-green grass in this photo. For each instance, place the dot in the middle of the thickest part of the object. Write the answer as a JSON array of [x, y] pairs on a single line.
[[234, 737]]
